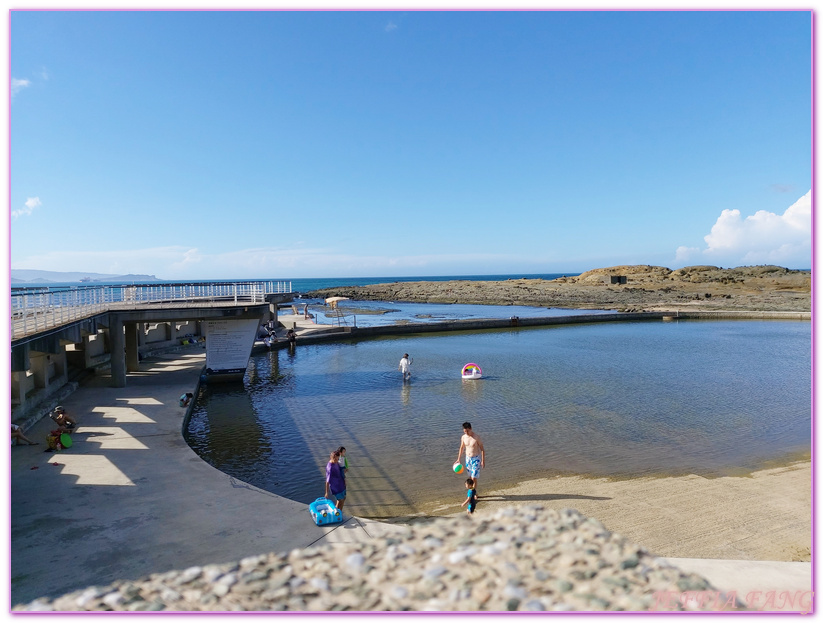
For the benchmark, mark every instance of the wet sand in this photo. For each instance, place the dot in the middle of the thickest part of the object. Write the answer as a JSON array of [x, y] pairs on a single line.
[[763, 516]]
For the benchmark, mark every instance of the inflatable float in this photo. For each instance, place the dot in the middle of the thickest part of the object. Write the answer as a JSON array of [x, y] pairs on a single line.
[[323, 511], [472, 371]]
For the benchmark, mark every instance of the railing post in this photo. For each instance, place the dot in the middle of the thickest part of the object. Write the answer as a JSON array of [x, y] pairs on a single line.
[[25, 313], [36, 309]]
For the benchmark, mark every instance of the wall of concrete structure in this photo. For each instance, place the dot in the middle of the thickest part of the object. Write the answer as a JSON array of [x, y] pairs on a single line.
[[158, 335], [45, 373]]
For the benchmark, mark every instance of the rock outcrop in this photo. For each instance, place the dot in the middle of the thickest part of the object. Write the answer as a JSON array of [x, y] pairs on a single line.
[[623, 288]]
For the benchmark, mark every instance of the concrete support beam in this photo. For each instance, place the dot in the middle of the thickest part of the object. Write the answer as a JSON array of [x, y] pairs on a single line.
[[48, 371], [21, 384], [40, 369], [95, 349], [142, 330], [20, 358], [117, 348]]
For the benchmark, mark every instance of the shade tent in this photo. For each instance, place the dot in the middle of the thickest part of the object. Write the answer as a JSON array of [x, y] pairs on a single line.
[[334, 300]]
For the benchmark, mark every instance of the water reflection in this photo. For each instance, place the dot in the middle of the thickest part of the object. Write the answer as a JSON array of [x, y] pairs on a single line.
[[473, 389], [405, 394]]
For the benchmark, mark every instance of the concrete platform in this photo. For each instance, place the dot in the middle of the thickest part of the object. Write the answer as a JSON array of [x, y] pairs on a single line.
[[770, 586], [130, 498]]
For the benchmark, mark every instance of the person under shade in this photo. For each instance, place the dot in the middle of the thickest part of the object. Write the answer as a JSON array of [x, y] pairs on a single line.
[[18, 436]]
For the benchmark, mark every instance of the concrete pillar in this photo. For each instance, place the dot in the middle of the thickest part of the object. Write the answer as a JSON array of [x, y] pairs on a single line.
[[95, 347], [132, 350], [61, 366], [21, 379], [20, 358], [22, 383], [172, 335], [117, 347], [40, 369]]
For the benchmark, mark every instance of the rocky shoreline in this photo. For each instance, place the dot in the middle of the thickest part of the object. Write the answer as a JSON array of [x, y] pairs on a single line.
[[621, 288]]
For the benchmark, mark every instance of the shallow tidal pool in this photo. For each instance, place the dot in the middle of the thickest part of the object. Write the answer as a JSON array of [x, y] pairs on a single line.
[[617, 399]]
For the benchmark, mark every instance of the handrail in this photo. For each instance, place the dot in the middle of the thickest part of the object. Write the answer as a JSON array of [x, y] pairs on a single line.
[[41, 308]]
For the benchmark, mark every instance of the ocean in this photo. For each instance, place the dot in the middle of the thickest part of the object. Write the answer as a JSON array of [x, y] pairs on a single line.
[[298, 285]]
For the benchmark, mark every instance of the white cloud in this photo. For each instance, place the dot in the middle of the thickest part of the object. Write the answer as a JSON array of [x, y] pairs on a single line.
[[18, 85], [684, 255], [181, 262], [761, 238], [391, 26], [30, 205]]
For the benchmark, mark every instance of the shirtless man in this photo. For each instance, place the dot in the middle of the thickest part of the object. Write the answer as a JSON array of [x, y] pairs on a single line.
[[475, 454]]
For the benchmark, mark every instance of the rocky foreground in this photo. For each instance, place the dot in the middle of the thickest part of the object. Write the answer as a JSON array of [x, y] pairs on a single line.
[[528, 559], [642, 288]]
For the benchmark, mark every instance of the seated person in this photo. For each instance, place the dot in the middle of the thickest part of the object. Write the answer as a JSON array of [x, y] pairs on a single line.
[[17, 433], [185, 399], [63, 419]]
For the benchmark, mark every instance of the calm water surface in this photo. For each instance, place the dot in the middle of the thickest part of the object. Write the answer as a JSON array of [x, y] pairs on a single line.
[[616, 399]]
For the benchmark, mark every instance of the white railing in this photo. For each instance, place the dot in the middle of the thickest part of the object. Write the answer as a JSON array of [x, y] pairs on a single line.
[[38, 309]]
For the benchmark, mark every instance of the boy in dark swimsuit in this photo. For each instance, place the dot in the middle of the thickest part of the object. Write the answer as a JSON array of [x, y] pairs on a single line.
[[471, 496]]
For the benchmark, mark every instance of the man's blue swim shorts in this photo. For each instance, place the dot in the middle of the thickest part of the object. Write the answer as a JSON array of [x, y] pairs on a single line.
[[473, 465]]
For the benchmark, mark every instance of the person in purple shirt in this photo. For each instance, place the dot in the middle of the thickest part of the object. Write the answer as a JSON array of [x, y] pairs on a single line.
[[335, 482]]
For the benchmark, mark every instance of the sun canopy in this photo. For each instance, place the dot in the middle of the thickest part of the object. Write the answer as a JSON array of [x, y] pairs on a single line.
[[333, 300]]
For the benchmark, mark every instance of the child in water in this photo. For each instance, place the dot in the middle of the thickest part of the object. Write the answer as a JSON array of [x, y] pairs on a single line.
[[471, 496]]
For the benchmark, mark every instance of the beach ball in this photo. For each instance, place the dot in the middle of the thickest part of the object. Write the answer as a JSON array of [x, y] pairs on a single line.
[[458, 468]]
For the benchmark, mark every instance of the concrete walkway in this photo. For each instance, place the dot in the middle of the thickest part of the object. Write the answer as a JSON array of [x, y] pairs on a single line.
[[130, 498]]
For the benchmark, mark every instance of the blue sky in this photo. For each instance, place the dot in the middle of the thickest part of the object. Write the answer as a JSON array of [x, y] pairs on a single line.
[[212, 145]]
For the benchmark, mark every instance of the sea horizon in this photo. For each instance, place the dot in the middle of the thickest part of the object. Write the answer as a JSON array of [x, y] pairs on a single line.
[[299, 286]]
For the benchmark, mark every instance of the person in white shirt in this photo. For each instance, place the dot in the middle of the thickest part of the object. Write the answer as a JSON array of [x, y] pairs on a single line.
[[405, 367]]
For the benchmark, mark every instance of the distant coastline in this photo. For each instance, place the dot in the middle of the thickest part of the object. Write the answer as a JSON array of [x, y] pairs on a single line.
[[21, 276]]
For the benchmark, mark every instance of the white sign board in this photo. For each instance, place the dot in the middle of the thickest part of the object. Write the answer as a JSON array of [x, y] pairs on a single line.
[[228, 344]]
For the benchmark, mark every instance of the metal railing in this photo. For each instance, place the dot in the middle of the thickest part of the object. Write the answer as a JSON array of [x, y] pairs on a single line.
[[39, 309]]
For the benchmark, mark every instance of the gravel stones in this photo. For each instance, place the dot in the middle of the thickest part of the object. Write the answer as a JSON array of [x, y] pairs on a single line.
[[524, 559]]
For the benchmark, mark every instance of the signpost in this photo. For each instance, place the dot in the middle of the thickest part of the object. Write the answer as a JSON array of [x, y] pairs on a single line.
[[228, 347]]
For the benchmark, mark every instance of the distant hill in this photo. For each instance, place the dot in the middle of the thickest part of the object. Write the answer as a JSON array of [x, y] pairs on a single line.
[[23, 275]]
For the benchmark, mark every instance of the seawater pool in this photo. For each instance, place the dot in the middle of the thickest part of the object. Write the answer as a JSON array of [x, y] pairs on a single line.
[[615, 399], [381, 313]]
